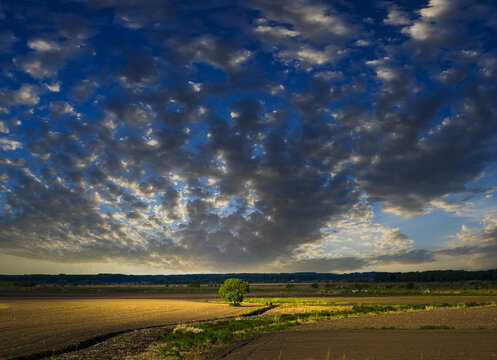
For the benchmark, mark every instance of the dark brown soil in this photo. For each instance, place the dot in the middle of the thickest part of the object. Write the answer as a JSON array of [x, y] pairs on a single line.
[[464, 318], [372, 344], [474, 337], [124, 346]]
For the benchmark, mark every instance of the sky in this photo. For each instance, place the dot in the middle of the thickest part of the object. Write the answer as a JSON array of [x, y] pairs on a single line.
[[164, 137]]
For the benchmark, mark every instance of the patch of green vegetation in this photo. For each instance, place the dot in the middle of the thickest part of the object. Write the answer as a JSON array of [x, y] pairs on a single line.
[[436, 327], [291, 301], [372, 309], [182, 341]]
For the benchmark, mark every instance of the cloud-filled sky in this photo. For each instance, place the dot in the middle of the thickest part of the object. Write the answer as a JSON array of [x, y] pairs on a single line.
[[247, 136]]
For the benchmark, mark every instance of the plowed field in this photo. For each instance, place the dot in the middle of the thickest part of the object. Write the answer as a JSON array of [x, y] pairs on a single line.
[[34, 325], [473, 337]]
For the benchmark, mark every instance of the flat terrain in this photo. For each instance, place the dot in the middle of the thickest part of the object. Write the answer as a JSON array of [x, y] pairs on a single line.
[[36, 321], [474, 337], [368, 344], [398, 300], [34, 325]]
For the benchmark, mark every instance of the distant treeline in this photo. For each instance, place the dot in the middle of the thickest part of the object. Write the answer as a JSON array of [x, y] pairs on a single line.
[[183, 279], [436, 275], [423, 276]]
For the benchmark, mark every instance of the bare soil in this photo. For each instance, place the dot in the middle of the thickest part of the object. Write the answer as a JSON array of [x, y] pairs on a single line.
[[372, 344], [464, 318], [134, 345], [474, 337], [35, 325]]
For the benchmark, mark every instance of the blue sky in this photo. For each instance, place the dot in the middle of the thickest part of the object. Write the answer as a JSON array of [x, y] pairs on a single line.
[[247, 136]]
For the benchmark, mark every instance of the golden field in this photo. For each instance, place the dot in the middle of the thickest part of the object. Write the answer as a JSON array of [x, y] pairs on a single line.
[[34, 325]]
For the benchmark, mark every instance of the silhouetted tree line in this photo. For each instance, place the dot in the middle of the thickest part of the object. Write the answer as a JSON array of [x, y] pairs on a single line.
[[195, 279], [436, 275], [184, 279]]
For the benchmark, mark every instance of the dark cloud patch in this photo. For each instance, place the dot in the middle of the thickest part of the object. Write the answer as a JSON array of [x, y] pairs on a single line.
[[406, 257], [7, 39], [345, 264], [139, 70]]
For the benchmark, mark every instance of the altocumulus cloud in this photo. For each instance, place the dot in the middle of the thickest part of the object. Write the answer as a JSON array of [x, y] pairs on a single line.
[[245, 135]]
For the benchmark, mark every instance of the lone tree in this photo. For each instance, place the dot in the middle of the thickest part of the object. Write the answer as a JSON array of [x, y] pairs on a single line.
[[233, 291]]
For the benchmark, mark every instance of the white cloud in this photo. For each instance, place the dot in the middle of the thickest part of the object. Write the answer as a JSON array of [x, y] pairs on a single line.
[[3, 128], [61, 108], [312, 21], [438, 8], [9, 144], [43, 45], [25, 95], [48, 56], [362, 42], [55, 87], [329, 75], [309, 56], [239, 58], [423, 31], [385, 69], [397, 17], [277, 31]]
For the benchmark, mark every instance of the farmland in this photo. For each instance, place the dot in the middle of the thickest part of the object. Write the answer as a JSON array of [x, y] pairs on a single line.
[[54, 318], [461, 333], [35, 325]]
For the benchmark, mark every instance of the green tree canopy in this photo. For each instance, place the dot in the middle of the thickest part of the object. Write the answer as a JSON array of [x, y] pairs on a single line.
[[233, 290]]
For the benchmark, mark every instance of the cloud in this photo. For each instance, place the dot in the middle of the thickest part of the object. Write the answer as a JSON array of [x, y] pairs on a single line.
[[448, 22], [50, 51], [55, 87], [25, 95], [7, 39], [177, 137], [61, 108], [140, 70], [83, 90], [308, 56], [213, 51], [47, 59], [9, 144], [397, 17], [313, 21], [3, 128], [43, 45]]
